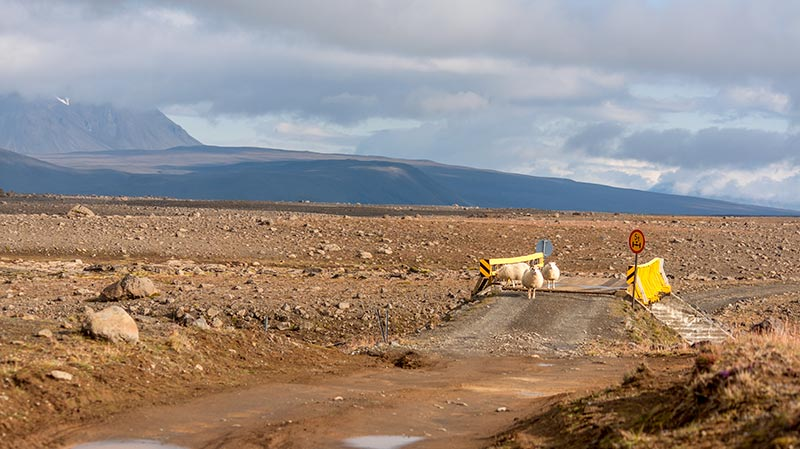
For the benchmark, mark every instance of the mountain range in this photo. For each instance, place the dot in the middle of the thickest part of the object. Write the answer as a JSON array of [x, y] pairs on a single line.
[[57, 125], [278, 175], [58, 146]]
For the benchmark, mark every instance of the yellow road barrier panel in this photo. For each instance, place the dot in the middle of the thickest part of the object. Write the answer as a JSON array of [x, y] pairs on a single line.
[[651, 282], [486, 267]]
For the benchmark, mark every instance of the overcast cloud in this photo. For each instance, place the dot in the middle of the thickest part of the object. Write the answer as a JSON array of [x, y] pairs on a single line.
[[679, 96]]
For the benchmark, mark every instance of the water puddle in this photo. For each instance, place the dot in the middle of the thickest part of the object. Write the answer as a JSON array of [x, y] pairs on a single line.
[[381, 441], [126, 444], [532, 394]]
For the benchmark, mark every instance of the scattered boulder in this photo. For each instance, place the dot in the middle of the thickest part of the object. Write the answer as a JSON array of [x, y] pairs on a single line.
[[113, 324], [60, 375], [79, 211], [283, 326], [365, 255], [200, 323], [129, 287], [768, 326], [213, 312], [46, 333], [99, 267]]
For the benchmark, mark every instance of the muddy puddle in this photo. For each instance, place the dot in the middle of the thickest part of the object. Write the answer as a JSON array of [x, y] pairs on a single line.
[[381, 441], [126, 444], [455, 403]]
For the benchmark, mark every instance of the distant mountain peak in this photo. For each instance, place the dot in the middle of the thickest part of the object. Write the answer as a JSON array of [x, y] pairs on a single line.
[[37, 126]]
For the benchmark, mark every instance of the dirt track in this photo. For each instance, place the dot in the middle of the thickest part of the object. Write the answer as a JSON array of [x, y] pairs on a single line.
[[553, 324], [492, 356]]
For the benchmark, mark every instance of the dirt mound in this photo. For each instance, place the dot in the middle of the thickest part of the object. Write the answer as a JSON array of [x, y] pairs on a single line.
[[742, 394], [408, 359]]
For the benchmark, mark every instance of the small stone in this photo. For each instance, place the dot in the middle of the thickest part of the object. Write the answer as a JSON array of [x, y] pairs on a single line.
[[501, 409], [46, 333], [201, 323], [283, 325], [365, 255], [338, 398], [60, 375], [343, 305]]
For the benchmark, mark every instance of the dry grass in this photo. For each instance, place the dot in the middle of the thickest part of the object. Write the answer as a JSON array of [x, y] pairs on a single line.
[[745, 393]]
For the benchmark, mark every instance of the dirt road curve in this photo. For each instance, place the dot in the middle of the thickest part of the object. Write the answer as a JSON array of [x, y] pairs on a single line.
[[452, 401]]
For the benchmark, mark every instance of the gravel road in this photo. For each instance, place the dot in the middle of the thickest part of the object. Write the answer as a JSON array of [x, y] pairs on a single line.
[[553, 324]]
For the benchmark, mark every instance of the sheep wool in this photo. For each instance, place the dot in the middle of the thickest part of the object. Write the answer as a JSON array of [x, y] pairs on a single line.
[[551, 274], [532, 279], [512, 272]]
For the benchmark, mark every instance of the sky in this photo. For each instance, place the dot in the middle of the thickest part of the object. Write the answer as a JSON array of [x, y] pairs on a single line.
[[685, 96]]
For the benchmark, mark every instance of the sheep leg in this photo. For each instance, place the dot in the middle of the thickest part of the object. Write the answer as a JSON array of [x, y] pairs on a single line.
[[529, 293]]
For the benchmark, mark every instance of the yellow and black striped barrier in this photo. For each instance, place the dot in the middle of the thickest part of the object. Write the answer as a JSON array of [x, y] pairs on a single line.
[[651, 281], [486, 267]]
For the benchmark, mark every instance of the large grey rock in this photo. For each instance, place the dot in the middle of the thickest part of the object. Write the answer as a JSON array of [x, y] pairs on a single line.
[[129, 287], [113, 324]]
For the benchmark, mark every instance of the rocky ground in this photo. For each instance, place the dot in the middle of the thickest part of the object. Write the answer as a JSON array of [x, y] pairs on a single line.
[[316, 277]]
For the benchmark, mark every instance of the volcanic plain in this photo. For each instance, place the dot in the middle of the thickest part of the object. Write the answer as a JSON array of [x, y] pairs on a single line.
[[264, 330]]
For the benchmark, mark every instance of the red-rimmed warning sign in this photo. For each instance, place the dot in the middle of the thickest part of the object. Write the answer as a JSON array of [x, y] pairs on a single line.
[[636, 241]]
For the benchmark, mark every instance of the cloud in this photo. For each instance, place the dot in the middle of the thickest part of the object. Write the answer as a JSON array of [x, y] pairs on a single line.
[[597, 138], [711, 147], [759, 97], [443, 102], [772, 185], [636, 94]]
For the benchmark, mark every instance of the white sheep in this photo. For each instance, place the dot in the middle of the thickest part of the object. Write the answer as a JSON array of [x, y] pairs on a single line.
[[511, 272], [551, 274], [532, 279]]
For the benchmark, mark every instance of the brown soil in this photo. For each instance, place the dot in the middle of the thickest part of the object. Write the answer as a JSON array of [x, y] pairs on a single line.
[[300, 268]]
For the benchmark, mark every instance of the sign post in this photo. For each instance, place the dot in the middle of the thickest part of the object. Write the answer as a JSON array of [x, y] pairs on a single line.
[[545, 247], [636, 244]]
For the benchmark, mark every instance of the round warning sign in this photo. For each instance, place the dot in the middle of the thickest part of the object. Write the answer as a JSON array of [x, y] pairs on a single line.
[[636, 241]]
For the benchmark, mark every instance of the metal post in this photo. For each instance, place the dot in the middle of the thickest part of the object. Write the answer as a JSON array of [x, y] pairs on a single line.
[[386, 327], [635, 269]]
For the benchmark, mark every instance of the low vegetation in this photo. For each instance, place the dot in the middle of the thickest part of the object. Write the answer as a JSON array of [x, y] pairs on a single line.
[[740, 394]]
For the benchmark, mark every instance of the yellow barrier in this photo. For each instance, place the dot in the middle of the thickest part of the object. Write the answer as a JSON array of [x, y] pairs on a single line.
[[487, 265], [651, 281]]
